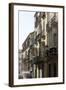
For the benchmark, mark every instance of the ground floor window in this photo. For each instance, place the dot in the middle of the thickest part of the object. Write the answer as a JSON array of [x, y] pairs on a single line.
[[52, 70], [49, 73], [55, 70]]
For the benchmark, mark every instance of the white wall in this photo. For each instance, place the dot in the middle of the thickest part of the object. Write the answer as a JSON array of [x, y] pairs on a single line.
[[4, 44]]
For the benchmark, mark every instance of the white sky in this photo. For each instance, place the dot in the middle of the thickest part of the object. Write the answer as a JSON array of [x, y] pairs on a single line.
[[26, 25]]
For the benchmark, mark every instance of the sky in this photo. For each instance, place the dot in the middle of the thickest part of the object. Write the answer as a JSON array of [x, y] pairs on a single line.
[[26, 25]]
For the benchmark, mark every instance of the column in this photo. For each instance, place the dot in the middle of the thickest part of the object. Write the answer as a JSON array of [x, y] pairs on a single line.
[[37, 72]]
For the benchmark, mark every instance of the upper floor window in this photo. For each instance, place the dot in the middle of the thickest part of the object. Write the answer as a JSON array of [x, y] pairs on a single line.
[[55, 39], [43, 15]]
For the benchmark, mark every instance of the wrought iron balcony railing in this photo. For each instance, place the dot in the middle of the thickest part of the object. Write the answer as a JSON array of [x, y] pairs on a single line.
[[51, 52]]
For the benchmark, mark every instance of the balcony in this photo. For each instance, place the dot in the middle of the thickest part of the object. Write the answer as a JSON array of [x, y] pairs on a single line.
[[54, 21], [51, 52], [37, 60], [40, 36], [26, 58], [48, 26]]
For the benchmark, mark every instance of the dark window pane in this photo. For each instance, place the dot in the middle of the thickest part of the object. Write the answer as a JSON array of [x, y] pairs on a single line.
[[55, 72], [49, 73], [42, 70]]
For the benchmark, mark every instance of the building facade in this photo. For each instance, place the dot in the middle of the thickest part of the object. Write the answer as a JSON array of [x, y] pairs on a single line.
[[25, 51], [45, 62], [52, 39], [20, 64], [40, 49], [28, 52], [41, 43]]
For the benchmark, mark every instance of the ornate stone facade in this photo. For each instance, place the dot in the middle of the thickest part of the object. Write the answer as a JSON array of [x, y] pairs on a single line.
[[40, 49]]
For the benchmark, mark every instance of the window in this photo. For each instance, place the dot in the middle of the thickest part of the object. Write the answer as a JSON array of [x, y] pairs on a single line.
[[36, 72], [52, 70], [49, 70], [55, 71], [43, 15], [36, 22], [54, 39], [42, 70], [39, 70]]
